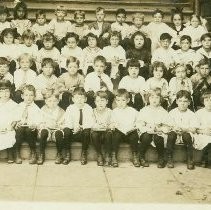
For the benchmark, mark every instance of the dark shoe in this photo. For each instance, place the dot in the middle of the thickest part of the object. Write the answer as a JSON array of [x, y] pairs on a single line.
[[84, 157], [58, 158], [33, 158], [100, 160], [190, 165], [204, 164], [143, 162], [66, 159], [161, 163], [170, 162], [135, 160], [107, 160], [18, 159], [41, 159], [114, 161], [10, 154]]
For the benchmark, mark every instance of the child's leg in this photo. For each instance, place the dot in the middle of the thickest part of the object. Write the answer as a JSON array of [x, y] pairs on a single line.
[[85, 140], [205, 153], [146, 140], [133, 139], [20, 137], [59, 146], [108, 147], [187, 139], [42, 144], [68, 134], [172, 137], [10, 155], [159, 143]]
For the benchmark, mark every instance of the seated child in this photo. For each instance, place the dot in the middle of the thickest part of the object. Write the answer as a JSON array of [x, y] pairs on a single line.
[[24, 75], [101, 133], [4, 70], [123, 125], [79, 119], [134, 84], [201, 81], [26, 128], [98, 80], [183, 124], [50, 128], [68, 81], [202, 141], [44, 81], [152, 123], [8, 119], [4, 14]]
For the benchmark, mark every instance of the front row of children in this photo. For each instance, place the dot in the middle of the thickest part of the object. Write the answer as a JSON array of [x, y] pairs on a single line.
[[103, 126]]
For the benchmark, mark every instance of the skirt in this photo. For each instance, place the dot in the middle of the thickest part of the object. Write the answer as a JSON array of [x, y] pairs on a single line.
[[201, 141], [7, 140]]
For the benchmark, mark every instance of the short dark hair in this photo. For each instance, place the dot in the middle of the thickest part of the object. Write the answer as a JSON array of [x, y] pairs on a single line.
[[79, 91], [30, 88], [100, 58], [133, 63], [203, 62], [164, 36], [100, 9], [5, 85], [205, 94], [39, 13], [46, 61], [122, 93], [72, 59], [4, 61], [185, 94], [101, 94], [71, 35], [177, 11], [121, 11], [158, 11], [185, 37], [49, 36], [28, 34], [92, 36], [204, 36], [80, 13], [156, 65], [115, 33]]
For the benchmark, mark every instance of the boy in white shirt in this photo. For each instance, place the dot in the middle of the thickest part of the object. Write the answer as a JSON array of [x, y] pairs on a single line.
[[183, 123], [78, 121], [98, 80], [29, 120], [123, 124]]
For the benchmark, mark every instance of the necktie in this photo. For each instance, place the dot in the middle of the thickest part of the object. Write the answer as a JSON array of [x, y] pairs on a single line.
[[25, 114], [81, 117], [102, 83]]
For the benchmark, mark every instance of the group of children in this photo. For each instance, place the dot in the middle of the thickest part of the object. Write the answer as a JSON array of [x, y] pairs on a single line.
[[103, 84]]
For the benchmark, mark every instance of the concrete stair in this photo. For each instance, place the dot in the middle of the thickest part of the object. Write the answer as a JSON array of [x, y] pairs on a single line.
[[145, 6]]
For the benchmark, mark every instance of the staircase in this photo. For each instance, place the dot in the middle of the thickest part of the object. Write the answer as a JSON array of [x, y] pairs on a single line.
[[144, 6]]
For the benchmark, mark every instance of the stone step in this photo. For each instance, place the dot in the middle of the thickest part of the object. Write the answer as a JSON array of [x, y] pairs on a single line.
[[124, 153]]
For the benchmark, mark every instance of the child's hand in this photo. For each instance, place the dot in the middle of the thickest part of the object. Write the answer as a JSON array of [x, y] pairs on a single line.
[[76, 129]]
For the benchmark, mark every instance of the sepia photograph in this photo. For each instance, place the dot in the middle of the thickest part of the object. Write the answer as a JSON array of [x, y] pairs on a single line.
[[105, 104]]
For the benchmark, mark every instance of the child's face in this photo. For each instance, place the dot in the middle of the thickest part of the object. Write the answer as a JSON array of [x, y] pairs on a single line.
[[177, 20], [48, 69], [25, 64], [71, 42], [100, 103], [121, 101], [92, 42], [158, 72], [79, 19], [138, 22], [3, 17], [60, 15], [4, 95], [180, 72], [99, 67], [183, 104], [41, 20], [51, 102], [195, 22], [100, 16], [20, 13], [28, 96], [158, 18], [48, 44], [8, 39], [165, 43], [206, 43], [154, 100], [3, 69], [72, 68], [120, 18], [207, 103], [79, 100], [28, 42], [138, 41], [114, 41], [185, 45], [204, 70], [133, 71]]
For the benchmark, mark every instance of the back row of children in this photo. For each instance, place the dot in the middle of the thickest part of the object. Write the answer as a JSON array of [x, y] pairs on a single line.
[[103, 127]]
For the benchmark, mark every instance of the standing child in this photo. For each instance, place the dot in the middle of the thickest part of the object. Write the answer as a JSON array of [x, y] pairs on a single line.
[[134, 84], [8, 119], [202, 141], [4, 14], [123, 124], [4, 70], [152, 123], [101, 133], [50, 128], [98, 80], [23, 76], [29, 120], [79, 119], [184, 124], [68, 81]]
